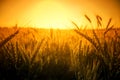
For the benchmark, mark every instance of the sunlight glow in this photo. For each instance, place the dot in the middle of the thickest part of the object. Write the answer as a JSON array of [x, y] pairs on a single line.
[[49, 14], [58, 13]]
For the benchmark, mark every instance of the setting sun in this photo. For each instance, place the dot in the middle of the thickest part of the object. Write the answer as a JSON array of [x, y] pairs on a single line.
[[53, 15]]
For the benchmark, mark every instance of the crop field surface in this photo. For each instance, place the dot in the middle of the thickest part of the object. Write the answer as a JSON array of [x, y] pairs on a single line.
[[54, 54]]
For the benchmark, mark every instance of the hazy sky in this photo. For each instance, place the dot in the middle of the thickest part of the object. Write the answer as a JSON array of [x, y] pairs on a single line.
[[45, 13]]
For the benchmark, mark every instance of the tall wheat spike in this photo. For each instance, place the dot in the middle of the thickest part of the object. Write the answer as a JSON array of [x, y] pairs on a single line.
[[99, 19], [108, 23], [107, 27], [76, 25], [88, 18]]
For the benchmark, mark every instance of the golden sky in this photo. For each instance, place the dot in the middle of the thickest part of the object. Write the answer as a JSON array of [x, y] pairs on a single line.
[[57, 13]]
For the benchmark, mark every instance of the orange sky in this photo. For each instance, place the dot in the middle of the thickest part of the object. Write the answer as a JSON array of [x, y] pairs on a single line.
[[57, 13]]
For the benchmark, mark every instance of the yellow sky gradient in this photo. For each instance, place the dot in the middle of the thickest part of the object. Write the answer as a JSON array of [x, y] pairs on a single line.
[[57, 13]]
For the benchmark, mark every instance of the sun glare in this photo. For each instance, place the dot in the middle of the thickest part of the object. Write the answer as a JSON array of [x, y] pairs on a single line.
[[57, 13], [49, 14]]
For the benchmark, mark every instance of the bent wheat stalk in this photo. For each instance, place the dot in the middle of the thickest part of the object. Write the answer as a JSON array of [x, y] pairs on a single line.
[[2, 43]]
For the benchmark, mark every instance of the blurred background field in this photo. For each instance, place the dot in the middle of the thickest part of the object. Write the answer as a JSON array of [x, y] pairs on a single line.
[[54, 54]]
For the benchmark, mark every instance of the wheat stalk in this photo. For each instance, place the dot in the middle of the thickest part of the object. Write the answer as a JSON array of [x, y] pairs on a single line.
[[108, 23], [99, 19], [2, 43], [36, 51]]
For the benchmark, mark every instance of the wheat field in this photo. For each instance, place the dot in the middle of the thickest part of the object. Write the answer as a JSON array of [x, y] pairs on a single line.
[[54, 54]]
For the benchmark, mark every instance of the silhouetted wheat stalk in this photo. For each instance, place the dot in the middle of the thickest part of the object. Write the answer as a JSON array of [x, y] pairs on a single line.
[[108, 23], [88, 18], [85, 36], [108, 58], [108, 27], [2, 43], [99, 19]]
